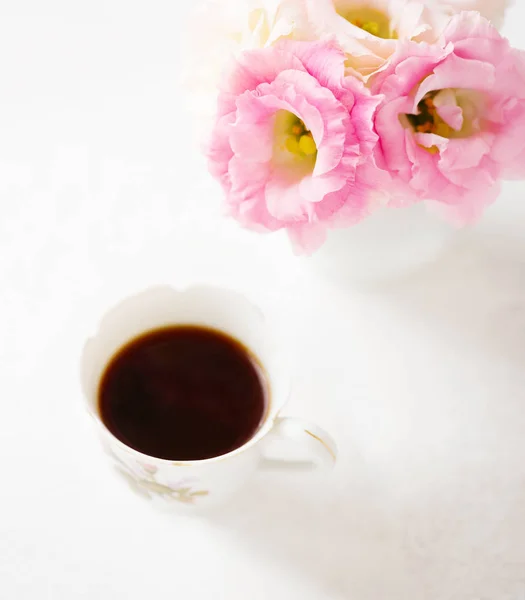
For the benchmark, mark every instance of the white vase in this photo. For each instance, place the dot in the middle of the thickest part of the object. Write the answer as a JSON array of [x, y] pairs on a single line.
[[391, 243]]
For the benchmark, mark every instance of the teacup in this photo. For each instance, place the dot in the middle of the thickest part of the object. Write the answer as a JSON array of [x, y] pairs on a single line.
[[199, 483]]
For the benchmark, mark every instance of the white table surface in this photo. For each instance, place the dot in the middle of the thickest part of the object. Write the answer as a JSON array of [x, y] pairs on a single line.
[[422, 384]]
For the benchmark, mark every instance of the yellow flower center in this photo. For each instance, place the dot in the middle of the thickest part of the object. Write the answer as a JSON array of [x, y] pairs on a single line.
[[427, 119], [300, 141], [370, 20], [295, 150]]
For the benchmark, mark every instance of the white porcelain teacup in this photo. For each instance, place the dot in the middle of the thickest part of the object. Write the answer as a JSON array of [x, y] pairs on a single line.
[[201, 482]]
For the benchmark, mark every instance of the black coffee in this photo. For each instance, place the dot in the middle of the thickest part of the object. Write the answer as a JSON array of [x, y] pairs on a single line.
[[183, 393]]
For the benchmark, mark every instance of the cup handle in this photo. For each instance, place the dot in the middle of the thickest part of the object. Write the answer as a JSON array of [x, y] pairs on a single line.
[[321, 450]]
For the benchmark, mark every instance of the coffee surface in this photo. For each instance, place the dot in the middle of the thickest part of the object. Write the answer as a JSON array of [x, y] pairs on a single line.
[[183, 393]]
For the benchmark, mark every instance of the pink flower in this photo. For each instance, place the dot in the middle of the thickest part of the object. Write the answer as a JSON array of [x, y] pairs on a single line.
[[452, 122], [293, 142]]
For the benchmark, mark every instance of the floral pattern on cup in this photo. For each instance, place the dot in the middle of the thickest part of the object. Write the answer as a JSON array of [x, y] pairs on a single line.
[[142, 480]]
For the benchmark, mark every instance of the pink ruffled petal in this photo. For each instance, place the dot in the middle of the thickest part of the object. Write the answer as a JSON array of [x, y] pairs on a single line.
[[492, 51], [469, 208], [248, 179], [509, 147], [426, 179], [465, 153], [457, 72], [510, 76], [285, 94], [363, 112], [392, 136], [246, 200], [324, 61], [253, 143], [409, 65], [316, 100], [448, 109], [284, 200], [314, 189], [257, 66], [470, 25], [219, 150], [306, 238], [321, 113]]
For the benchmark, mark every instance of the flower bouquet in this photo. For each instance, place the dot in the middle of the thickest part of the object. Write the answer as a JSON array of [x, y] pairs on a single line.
[[328, 110]]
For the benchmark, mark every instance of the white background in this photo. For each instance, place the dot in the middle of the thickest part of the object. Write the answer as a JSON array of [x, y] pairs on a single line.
[[422, 383]]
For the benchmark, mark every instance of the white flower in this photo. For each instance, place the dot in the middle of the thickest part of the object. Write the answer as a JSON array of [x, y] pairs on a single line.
[[494, 10], [220, 29], [370, 30]]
